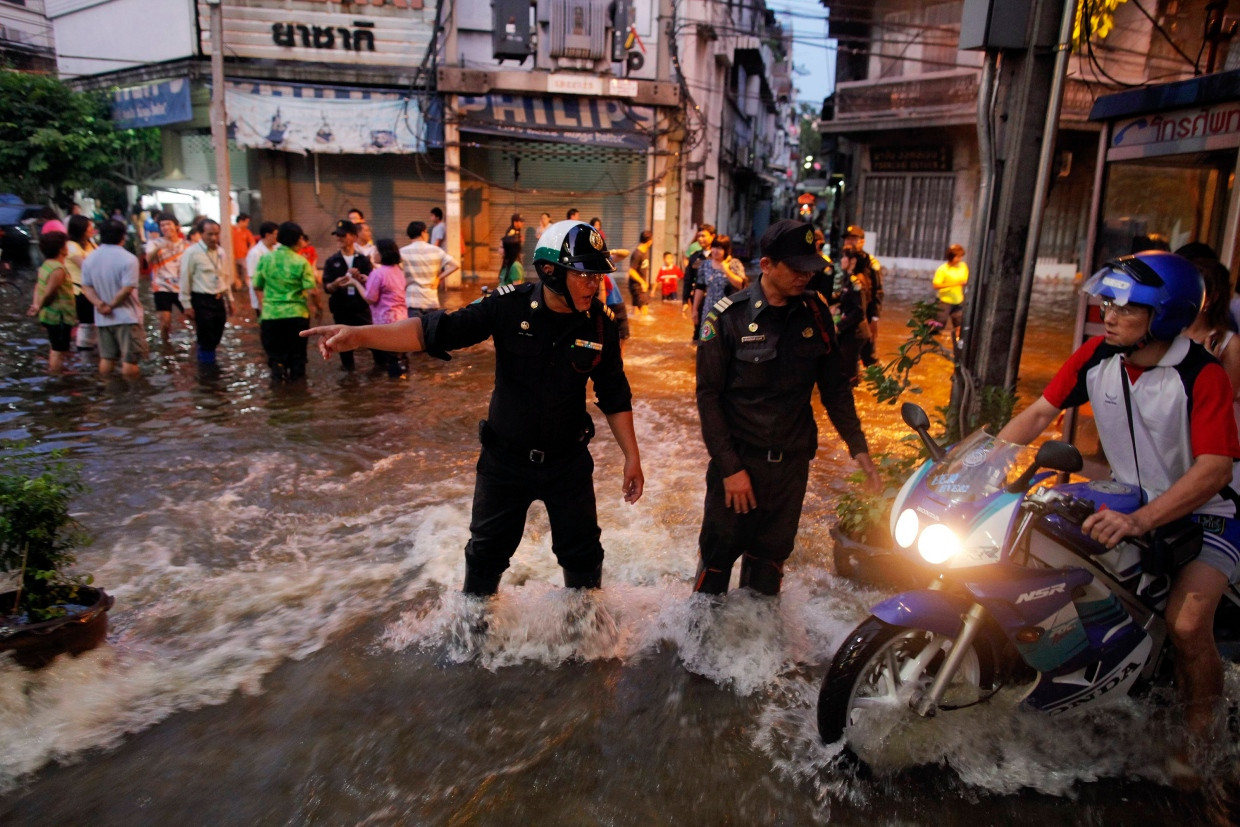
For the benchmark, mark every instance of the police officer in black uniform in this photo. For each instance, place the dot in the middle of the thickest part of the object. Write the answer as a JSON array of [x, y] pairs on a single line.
[[550, 337], [762, 351]]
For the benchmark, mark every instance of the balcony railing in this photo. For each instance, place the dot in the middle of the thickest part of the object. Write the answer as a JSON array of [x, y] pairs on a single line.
[[940, 94]]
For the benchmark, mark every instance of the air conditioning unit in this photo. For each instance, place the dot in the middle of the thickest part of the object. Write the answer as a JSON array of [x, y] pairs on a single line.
[[579, 29]]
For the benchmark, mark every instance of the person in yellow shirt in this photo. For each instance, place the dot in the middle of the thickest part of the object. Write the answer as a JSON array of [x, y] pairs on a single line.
[[949, 281]]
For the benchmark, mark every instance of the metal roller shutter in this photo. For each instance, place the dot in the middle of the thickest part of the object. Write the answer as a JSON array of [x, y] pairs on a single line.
[[600, 182], [391, 190]]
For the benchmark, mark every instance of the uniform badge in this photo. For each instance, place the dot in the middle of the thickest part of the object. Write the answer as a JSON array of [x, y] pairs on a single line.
[[525, 325], [586, 343], [596, 240], [753, 327], [807, 333], [758, 303], [809, 236], [708, 331]]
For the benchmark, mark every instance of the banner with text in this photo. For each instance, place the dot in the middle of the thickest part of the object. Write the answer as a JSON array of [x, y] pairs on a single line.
[[299, 118]]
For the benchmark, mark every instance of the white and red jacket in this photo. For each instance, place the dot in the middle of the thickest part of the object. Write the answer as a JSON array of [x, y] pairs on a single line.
[[1181, 409]]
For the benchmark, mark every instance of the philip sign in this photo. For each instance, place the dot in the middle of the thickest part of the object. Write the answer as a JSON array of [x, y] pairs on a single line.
[[357, 32]]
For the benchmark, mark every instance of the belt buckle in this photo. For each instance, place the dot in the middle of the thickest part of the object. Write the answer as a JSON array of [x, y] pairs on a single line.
[[774, 456], [537, 456]]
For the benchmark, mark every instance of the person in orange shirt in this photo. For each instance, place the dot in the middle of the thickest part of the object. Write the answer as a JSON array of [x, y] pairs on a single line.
[[242, 240]]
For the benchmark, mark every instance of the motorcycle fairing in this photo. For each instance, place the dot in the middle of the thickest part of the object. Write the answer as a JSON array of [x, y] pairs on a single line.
[[932, 610], [1017, 596], [1107, 678]]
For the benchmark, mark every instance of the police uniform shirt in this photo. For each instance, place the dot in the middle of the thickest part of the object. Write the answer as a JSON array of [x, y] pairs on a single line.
[[757, 366], [542, 361], [337, 267]]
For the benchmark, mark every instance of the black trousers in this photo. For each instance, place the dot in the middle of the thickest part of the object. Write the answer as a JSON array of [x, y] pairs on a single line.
[[354, 318], [286, 349], [764, 536], [505, 487], [210, 316]]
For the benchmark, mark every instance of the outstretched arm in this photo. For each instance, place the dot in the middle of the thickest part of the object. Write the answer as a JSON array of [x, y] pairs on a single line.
[[1029, 424], [401, 337], [621, 425]]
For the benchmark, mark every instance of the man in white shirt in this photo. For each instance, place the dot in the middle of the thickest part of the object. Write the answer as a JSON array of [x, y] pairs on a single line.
[[266, 243], [425, 267], [439, 237], [365, 237]]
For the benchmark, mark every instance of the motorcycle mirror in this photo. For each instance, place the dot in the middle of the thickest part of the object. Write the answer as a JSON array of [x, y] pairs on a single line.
[[916, 418], [1059, 456], [1056, 455]]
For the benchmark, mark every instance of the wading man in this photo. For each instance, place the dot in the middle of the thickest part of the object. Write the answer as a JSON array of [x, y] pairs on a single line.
[[204, 291], [550, 337], [762, 351]]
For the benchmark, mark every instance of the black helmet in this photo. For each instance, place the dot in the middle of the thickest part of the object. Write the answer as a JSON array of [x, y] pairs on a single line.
[[570, 245]]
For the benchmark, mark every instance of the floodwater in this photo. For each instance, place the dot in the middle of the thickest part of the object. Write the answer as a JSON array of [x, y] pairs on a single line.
[[286, 564]]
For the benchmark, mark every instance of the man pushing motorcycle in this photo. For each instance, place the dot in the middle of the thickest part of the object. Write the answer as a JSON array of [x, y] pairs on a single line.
[[1163, 409]]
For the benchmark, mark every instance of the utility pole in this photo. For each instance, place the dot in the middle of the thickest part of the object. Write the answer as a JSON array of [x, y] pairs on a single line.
[[1025, 80], [219, 139], [452, 162], [658, 166]]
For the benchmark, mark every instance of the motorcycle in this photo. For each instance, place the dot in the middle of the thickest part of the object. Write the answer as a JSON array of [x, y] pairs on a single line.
[[1022, 595]]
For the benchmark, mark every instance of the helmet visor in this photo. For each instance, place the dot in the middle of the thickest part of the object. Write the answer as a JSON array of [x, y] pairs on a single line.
[[1116, 283]]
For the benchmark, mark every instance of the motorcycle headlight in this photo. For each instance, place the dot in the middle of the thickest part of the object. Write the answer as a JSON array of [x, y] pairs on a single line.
[[938, 544], [906, 528]]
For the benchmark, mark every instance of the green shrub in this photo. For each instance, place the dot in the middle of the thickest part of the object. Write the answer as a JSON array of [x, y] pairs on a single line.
[[38, 536]]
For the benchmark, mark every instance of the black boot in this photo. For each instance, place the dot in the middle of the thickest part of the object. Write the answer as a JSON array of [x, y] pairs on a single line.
[[711, 580], [481, 585], [592, 579], [762, 576]]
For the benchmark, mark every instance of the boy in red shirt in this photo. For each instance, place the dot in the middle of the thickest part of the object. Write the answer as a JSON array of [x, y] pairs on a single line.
[[669, 277]]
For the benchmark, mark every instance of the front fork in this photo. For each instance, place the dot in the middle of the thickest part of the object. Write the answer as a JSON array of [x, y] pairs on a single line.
[[928, 704]]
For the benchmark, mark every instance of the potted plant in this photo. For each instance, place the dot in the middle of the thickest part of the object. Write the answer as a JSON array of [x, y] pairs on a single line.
[[47, 611]]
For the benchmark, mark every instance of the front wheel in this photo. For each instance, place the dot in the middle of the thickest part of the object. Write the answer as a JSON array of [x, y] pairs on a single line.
[[881, 669]]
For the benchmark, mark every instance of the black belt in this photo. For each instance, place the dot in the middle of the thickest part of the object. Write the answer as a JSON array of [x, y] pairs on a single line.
[[769, 454], [490, 439]]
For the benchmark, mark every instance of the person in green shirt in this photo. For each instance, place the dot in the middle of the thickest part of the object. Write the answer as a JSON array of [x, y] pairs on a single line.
[[285, 284], [53, 299], [511, 271]]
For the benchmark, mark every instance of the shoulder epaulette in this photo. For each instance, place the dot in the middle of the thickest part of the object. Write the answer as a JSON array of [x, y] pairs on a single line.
[[607, 312], [506, 289], [722, 305]]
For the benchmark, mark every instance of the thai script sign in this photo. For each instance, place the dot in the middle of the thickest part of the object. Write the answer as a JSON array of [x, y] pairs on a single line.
[[599, 121], [374, 33], [153, 104], [911, 158], [302, 118], [1173, 133]]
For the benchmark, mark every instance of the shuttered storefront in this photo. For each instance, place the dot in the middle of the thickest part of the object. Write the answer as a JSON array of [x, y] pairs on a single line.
[[391, 190], [910, 215], [502, 176]]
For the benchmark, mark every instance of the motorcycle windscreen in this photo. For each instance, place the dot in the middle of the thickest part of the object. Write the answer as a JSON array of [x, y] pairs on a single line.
[[977, 467]]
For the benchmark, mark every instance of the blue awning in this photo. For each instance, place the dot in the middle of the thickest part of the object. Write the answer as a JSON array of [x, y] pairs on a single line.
[[1185, 94]]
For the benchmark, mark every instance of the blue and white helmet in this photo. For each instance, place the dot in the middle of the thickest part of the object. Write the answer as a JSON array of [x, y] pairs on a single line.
[[1170, 285]]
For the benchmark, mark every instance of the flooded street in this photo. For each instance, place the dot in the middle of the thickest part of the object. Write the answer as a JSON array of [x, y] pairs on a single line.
[[286, 566]]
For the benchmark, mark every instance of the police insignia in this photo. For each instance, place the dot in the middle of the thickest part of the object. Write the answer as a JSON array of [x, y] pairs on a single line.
[[596, 240], [507, 288], [809, 236], [753, 327], [607, 312], [807, 333], [723, 304], [708, 331]]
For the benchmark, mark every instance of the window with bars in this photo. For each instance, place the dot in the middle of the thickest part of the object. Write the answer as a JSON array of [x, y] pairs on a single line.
[[911, 215]]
